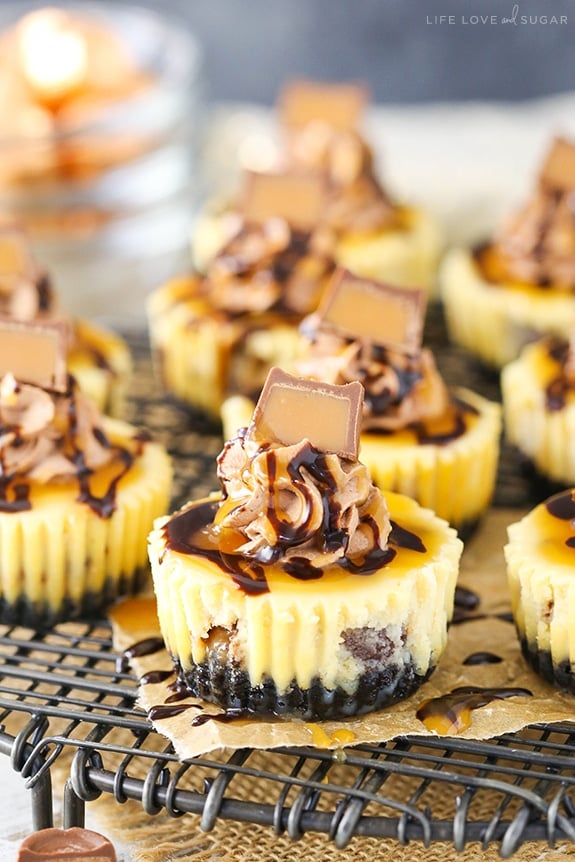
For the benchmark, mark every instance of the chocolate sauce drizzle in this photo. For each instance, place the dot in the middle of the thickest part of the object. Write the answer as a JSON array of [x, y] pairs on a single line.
[[15, 494], [378, 403], [188, 532], [162, 711], [562, 506], [559, 386], [148, 646], [223, 717], [465, 604], [20, 492], [152, 677], [479, 658]]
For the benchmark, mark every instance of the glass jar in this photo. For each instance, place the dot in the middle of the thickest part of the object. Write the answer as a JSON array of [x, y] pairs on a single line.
[[108, 195]]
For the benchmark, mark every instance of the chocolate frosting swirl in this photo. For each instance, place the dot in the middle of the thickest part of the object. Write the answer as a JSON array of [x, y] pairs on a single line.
[[357, 201], [48, 436], [400, 389], [270, 266], [295, 502], [537, 245]]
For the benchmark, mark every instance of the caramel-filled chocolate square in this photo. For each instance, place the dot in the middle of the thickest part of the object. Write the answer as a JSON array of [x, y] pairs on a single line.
[[34, 353], [558, 171], [339, 106], [291, 409], [385, 314], [297, 198]]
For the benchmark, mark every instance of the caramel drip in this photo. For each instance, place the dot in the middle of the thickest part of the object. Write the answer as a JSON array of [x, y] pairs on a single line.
[[451, 713], [105, 505], [183, 534], [460, 413]]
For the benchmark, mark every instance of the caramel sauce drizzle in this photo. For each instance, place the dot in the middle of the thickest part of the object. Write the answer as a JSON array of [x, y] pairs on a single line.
[[184, 534], [451, 713]]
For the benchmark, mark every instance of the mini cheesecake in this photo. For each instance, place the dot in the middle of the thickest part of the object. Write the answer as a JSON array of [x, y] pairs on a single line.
[[540, 557], [220, 334], [99, 360], [521, 285], [101, 363], [538, 392], [419, 438], [303, 590], [79, 492], [373, 236]]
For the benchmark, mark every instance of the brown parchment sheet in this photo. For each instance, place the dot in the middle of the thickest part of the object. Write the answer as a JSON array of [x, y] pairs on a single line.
[[482, 570]]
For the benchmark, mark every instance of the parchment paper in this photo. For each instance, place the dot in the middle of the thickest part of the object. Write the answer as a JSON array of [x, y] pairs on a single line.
[[483, 571]]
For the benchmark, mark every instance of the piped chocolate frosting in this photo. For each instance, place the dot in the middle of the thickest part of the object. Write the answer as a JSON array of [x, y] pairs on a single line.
[[537, 245], [371, 331]]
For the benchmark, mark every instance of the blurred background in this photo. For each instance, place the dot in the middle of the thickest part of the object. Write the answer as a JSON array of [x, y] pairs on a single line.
[[252, 46], [466, 95]]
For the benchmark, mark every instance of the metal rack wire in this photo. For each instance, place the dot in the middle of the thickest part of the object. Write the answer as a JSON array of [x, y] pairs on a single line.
[[65, 698], [65, 691]]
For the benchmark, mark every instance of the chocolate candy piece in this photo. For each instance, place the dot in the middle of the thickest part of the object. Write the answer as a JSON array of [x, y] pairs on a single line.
[[558, 171], [385, 314], [66, 845], [339, 106], [291, 409], [34, 352], [297, 198]]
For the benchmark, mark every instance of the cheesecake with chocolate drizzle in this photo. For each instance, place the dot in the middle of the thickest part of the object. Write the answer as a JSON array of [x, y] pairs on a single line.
[[302, 589], [98, 359], [520, 285], [219, 334], [538, 394], [320, 131], [418, 437], [540, 556], [78, 491]]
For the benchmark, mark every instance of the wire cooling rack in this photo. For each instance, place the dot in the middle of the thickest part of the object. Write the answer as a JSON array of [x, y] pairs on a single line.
[[66, 699]]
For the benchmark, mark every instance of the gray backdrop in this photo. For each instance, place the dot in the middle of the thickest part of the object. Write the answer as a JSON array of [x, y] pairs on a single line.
[[251, 46]]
